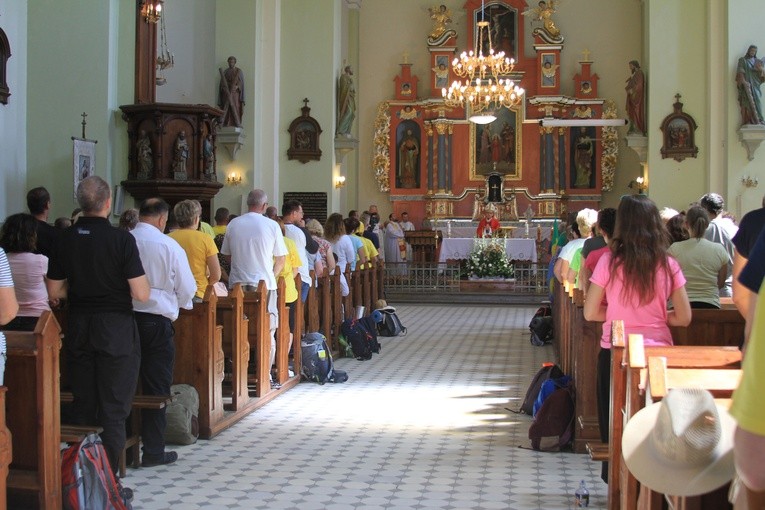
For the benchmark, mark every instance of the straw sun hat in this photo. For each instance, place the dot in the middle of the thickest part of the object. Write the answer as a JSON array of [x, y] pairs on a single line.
[[681, 446]]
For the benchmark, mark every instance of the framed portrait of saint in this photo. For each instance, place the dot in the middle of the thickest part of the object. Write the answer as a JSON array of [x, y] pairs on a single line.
[[495, 147], [83, 160]]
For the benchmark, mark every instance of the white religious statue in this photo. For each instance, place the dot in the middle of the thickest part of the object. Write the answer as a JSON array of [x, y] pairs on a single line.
[[529, 215]]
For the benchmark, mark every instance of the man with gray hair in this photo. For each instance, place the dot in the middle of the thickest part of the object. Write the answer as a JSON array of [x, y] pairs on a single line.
[[98, 267], [255, 245], [172, 287]]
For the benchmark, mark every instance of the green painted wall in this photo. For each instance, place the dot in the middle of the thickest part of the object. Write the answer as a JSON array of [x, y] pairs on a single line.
[[677, 54], [13, 116], [77, 67], [310, 67]]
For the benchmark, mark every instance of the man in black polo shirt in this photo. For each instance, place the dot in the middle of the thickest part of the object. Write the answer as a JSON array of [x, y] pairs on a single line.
[[98, 268], [38, 202]]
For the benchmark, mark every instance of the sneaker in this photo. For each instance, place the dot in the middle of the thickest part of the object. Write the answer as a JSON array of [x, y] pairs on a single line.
[[275, 385], [158, 460]]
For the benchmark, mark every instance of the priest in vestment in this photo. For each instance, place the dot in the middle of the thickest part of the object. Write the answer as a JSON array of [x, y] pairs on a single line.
[[395, 247], [489, 224]]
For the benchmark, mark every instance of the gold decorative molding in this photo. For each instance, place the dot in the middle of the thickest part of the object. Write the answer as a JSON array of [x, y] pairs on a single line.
[[381, 157], [610, 141]]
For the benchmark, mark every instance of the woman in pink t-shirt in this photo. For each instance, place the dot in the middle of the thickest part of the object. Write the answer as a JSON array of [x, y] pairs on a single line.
[[636, 279], [19, 240]]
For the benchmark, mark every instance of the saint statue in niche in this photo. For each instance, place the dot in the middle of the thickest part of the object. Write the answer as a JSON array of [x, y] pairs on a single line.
[[408, 161], [144, 156], [584, 151], [180, 155]]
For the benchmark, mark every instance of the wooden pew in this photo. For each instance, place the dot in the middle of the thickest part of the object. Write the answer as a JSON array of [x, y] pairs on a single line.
[[312, 305], [324, 308], [585, 347], [283, 333], [373, 282], [336, 300], [33, 412], [199, 360], [230, 315], [259, 338], [628, 396], [5, 450], [711, 327]]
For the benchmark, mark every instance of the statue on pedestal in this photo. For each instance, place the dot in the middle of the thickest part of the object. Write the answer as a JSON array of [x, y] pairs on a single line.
[[346, 102], [231, 94], [636, 99], [144, 156], [750, 73], [180, 155]]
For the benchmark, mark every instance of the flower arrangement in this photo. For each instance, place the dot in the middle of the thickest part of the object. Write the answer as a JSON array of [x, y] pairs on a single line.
[[489, 259]]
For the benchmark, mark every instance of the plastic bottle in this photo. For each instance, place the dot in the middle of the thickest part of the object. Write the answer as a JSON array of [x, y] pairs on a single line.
[[582, 496]]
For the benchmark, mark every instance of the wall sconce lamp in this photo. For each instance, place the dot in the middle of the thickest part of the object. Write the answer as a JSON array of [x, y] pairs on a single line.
[[340, 181], [639, 184], [749, 182], [151, 10], [234, 179]]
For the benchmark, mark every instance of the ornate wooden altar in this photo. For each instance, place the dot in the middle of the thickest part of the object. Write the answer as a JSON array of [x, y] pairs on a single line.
[[434, 163], [172, 152], [424, 244]]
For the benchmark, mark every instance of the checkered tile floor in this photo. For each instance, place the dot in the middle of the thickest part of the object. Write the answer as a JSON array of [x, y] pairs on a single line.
[[422, 425]]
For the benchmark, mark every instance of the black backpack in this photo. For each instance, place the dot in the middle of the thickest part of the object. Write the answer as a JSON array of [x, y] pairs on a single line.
[[317, 363], [361, 335], [548, 371], [390, 325], [541, 326]]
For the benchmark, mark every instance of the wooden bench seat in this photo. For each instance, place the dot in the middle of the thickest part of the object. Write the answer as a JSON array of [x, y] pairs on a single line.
[[597, 451], [76, 433], [33, 414], [703, 366]]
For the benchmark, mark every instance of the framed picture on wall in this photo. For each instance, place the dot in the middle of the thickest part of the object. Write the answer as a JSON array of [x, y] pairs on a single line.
[[83, 160]]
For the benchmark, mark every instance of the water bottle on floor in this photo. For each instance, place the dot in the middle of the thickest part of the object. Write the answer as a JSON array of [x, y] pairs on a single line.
[[582, 496]]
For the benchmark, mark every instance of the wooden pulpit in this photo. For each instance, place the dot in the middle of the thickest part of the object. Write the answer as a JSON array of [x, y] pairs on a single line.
[[172, 152], [424, 244]]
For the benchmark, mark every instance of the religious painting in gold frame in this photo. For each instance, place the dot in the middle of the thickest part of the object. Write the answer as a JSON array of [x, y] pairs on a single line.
[[496, 147]]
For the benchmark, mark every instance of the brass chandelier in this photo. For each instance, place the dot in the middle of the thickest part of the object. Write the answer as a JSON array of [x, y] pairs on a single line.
[[484, 89]]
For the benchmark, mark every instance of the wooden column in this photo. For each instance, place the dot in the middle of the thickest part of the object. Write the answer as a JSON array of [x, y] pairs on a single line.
[[145, 58]]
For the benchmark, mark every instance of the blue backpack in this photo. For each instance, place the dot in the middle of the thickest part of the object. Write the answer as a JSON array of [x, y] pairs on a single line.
[[547, 389]]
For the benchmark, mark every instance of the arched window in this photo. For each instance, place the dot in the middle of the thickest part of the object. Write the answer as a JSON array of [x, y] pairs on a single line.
[[5, 54]]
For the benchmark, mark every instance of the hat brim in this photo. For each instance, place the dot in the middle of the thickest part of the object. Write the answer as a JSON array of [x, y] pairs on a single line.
[[653, 470], [387, 309]]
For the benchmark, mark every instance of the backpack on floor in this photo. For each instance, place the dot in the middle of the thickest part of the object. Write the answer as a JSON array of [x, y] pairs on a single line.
[[548, 387], [87, 480], [541, 326], [548, 370], [318, 365], [361, 334], [182, 415], [553, 426], [390, 325]]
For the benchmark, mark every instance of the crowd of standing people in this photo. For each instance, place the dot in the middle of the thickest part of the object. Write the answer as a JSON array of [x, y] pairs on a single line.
[[122, 287], [650, 269]]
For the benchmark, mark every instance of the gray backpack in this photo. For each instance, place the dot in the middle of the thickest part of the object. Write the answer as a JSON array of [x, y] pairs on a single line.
[[183, 415]]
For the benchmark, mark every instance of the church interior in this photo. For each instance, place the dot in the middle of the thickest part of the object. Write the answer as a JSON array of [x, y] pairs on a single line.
[[95, 87]]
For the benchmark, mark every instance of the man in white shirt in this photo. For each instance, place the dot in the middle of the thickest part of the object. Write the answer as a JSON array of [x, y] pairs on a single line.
[[292, 216], [257, 251], [721, 230], [172, 287]]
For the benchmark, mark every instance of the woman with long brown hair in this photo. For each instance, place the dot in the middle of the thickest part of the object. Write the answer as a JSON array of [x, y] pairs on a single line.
[[636, 278]]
